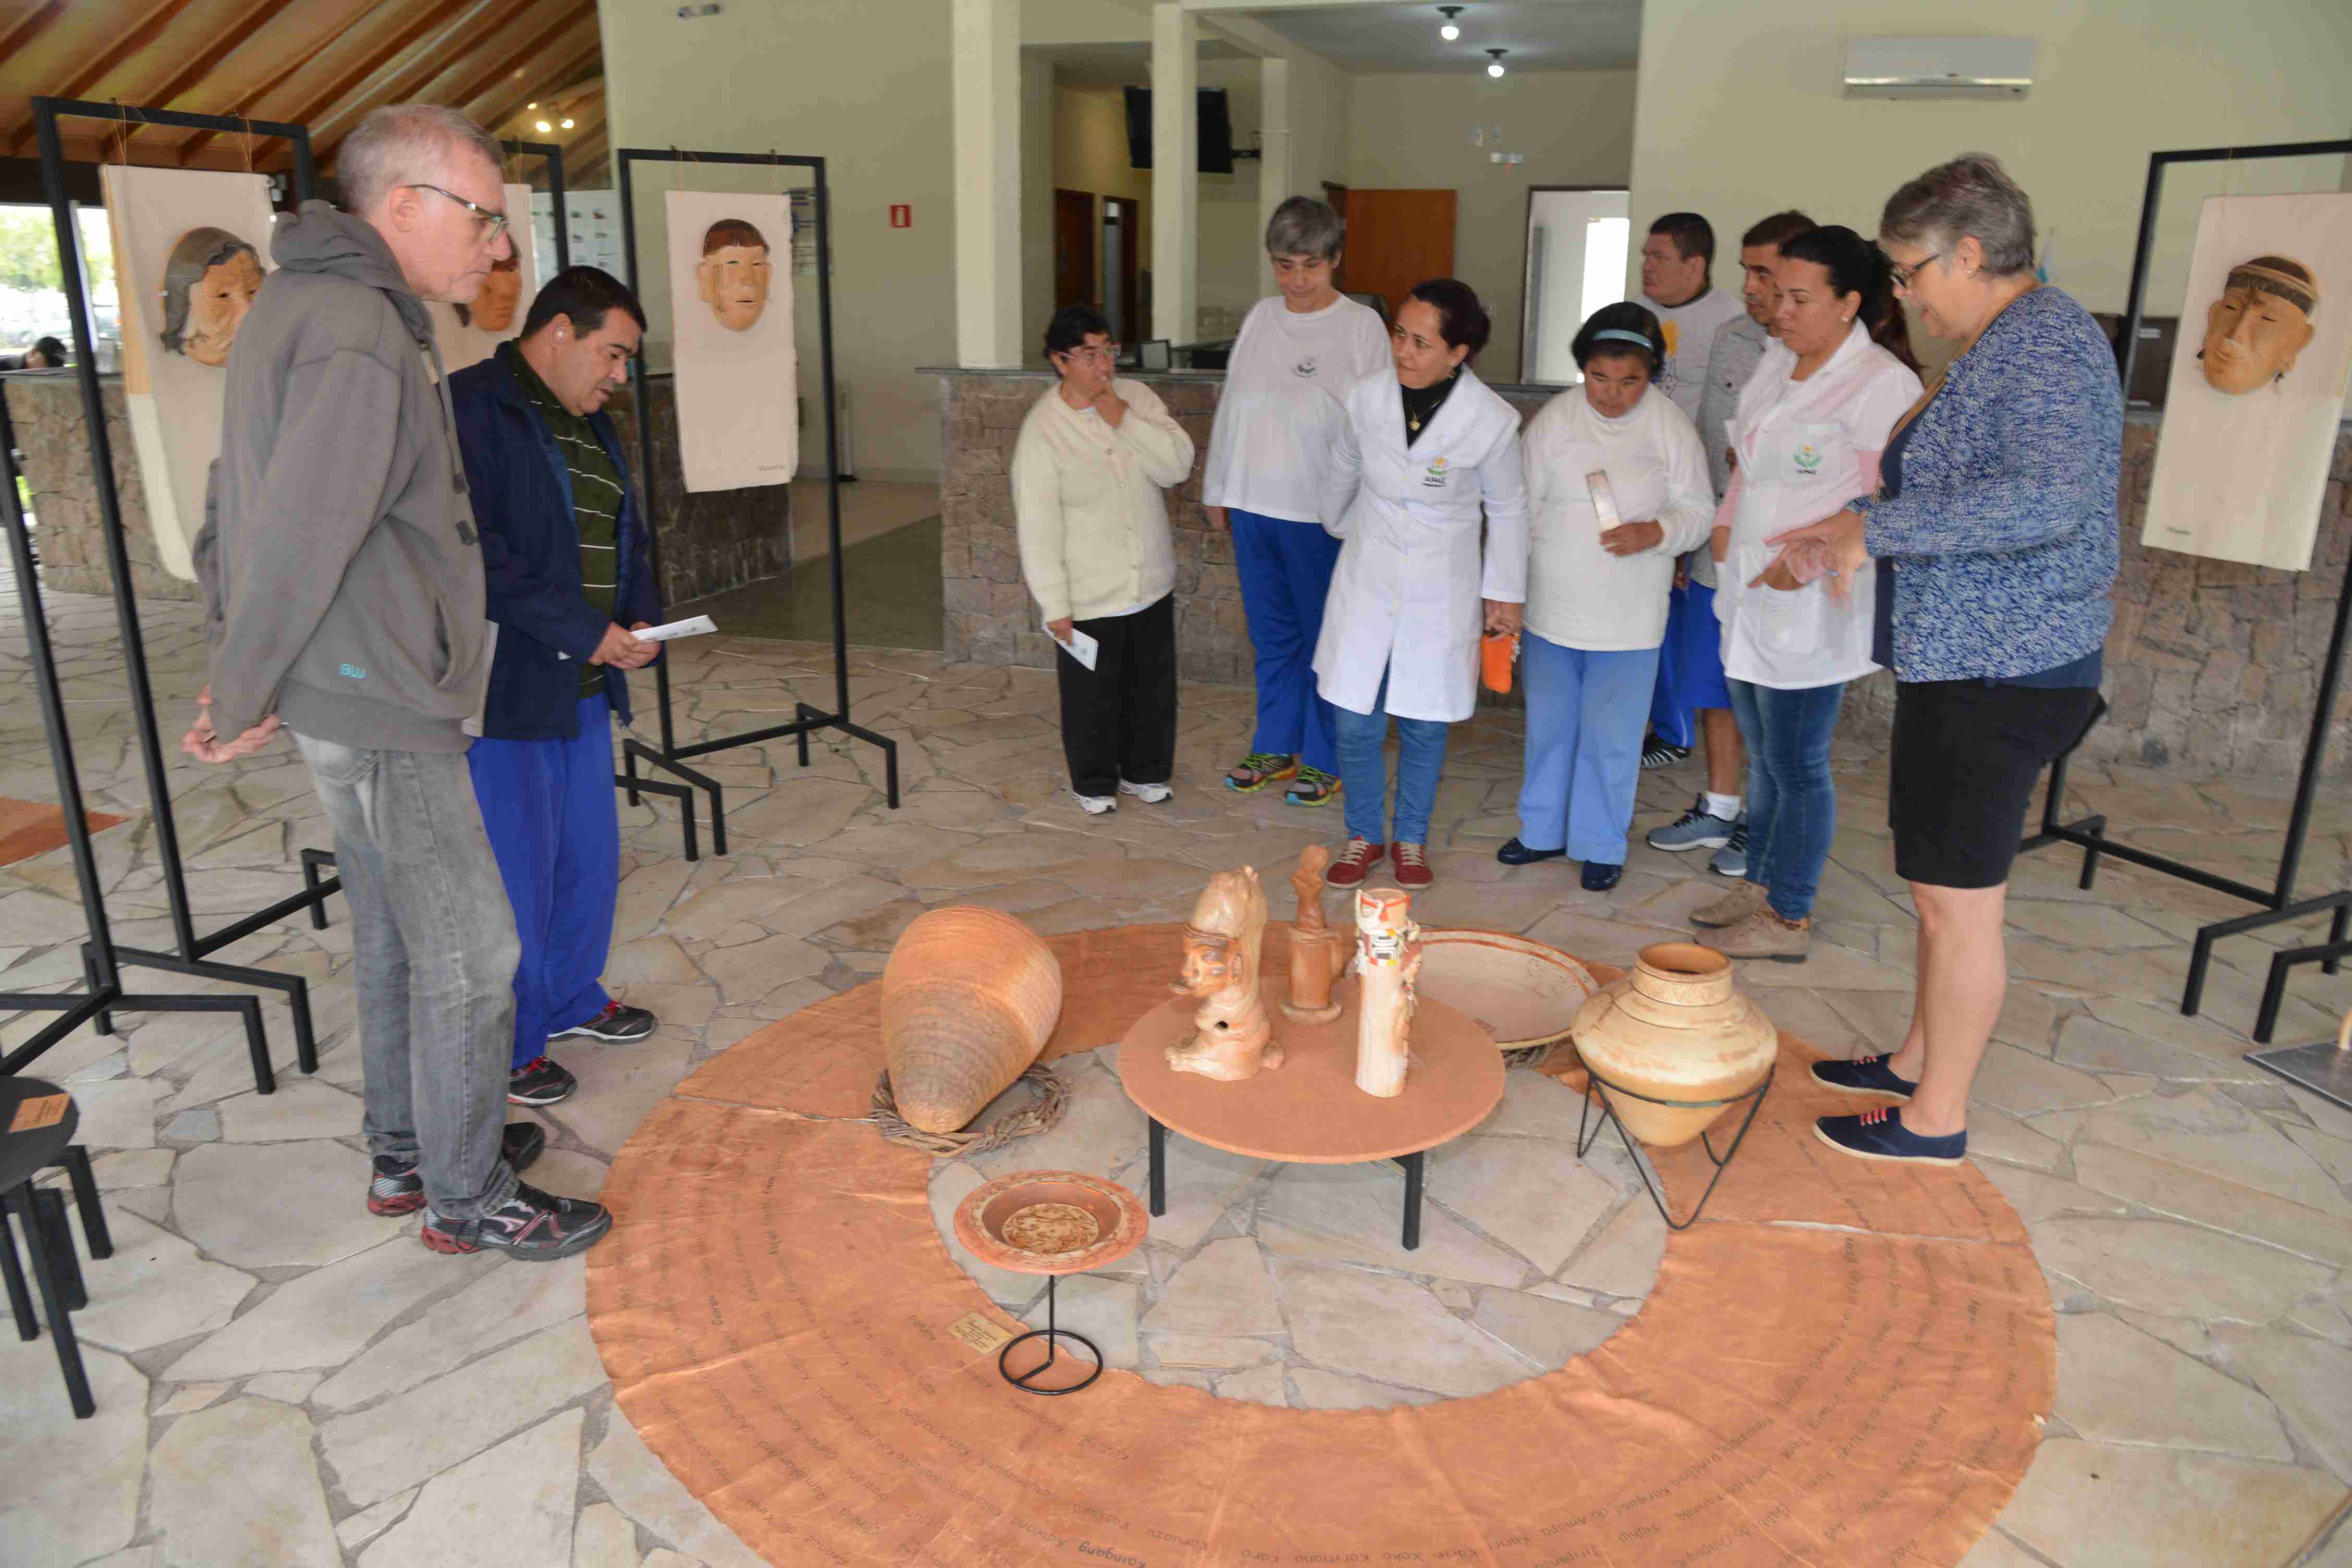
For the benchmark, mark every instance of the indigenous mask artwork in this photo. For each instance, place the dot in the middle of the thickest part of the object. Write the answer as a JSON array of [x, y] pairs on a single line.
[[493, 308], [2258, 326], [734, 273], [209, 283]]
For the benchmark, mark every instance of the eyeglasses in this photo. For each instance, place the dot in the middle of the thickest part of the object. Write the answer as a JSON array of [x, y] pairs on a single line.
[[492, 223], [1108, 354], [1902, 275]]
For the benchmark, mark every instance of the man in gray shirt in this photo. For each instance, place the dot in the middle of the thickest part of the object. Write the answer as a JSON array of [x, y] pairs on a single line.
[[1717, 819], [343, 595]]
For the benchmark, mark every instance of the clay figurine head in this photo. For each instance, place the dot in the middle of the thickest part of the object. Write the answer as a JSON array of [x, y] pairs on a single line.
[[493, 308], [2258, 326], [734, 272], [1213, 958], [209, 283]]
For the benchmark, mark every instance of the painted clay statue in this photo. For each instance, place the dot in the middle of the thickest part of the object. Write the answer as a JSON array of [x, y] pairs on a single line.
[[1221, 964], [734, 273], [1388, 960], [2260, 323], [1316, 954]]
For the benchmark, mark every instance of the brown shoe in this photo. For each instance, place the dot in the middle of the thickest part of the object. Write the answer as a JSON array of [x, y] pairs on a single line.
[[1744, 899], [1412, 867], [1763, 935], [1355, 859]]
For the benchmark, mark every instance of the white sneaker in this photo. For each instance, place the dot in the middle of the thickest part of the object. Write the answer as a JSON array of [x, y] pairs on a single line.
[[1096, 804], [1150, 794]]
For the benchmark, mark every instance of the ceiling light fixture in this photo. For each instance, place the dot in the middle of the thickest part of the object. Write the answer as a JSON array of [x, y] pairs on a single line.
[[567, 125], [544, 127], [530, 106], [1449, 32], [1495, 68]]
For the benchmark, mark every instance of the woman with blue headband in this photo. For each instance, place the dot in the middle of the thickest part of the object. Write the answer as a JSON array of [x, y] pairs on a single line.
[[1617, 489]]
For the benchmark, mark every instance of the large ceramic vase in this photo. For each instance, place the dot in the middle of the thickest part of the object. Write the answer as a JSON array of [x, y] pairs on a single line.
[[1674, 1029], [968, 998]]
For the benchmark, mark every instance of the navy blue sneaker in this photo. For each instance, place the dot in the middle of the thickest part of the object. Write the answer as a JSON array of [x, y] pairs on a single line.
[[1881, 1135], [1600, 877], [1865, 1075]]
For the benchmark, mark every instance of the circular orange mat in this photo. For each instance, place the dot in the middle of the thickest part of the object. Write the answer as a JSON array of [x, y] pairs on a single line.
[[1844, 1362]]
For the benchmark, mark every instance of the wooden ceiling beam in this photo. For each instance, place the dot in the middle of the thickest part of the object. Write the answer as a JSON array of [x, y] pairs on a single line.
[[256, 15], [36, 22], [254, 95], [403, 83], [523, 56], [129, 42], [493, 110]]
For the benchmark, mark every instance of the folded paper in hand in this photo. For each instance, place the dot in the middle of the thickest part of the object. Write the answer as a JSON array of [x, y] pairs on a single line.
[[1080, 647]]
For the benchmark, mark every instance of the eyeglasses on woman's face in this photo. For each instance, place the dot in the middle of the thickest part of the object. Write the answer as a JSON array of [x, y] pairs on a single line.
[[1902, 275], [491, 224]]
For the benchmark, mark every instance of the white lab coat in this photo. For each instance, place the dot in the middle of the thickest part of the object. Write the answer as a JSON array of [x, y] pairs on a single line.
[[1405, 594]]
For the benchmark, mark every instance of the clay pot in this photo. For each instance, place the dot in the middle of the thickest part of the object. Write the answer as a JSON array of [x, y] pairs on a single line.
[[968, 998], [1674, 1029], [1521, 992]]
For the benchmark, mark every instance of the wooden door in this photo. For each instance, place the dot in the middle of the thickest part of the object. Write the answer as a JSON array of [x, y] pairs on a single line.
[[1336, 198], [1075, 282], [1121, 262], [1396, 239]]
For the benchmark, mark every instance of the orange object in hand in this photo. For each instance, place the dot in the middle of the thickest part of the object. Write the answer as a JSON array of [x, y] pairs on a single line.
[[1497, 653]]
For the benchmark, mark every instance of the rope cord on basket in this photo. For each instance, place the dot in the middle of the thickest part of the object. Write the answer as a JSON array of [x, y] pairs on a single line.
[[1053, 1099]]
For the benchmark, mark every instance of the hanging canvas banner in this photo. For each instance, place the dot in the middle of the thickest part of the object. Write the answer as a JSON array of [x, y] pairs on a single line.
[[470, 334], [2251, 413], [190, 252], [730, 291]]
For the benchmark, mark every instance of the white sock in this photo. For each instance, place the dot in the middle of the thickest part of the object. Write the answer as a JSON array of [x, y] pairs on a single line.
[[1725, 806]]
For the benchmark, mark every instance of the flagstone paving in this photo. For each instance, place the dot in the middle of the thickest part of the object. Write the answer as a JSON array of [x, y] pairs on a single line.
[[282, 1379]]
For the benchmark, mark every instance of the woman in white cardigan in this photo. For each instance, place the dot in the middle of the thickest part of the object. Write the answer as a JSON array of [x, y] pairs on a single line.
[[1087, 469], [1617, 489]]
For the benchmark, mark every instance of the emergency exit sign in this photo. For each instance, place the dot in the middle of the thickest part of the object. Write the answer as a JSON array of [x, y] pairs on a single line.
[[902, 215]]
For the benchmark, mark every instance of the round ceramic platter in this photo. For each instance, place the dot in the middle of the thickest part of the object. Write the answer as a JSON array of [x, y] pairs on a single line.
[[1524, 993]]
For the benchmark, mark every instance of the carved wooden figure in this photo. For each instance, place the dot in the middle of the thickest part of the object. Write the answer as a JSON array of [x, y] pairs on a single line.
[[1388, 960], [1316, 954], [1221, 964]]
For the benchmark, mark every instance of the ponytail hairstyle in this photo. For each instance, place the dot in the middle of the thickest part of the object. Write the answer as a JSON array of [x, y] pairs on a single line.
[[1857, 267], [1460, 316]]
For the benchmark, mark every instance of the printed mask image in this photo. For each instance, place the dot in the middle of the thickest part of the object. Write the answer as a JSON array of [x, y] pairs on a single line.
[[493, 308], [209, 284], [734, 273], [2258, 326]]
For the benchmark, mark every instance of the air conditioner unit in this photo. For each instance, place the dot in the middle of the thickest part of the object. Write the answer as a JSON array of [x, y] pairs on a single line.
[[1938, 67]]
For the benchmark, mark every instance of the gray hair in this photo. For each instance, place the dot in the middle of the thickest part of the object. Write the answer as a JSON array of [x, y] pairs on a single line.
[[1972, 196], [197, 252], [1304, 226], [407, 144]]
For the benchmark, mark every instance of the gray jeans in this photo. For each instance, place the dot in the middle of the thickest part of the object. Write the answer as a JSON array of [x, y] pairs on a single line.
[[434, 954]]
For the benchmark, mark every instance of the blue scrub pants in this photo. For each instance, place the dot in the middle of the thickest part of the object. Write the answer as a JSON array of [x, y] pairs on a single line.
[[1585, 711], [1285, 573], [1364, 770], [555, 829]]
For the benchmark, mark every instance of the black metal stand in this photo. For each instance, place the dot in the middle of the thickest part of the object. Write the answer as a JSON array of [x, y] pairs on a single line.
[[190, 948], [552, 155], [1595, 1083], [805, 717], [2278, 900], [1415, 1171], [102, 987], [1053, 1335]]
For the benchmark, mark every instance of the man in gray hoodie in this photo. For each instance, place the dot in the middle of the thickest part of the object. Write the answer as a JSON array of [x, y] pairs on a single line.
[[343, 595]]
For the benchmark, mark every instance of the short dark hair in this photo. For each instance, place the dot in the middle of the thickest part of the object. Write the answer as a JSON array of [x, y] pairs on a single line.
[[732, 231], [51, 350], [1692, 235], [1777, 230], [1626, 316], [1070, 328], [1461, 318], [581, 295]]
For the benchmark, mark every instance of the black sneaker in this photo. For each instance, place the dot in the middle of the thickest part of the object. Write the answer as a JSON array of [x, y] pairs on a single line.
[[615, 1023], [531, 1226], [1864, 1075], [398, 1189], [1881, 1135], [539, 1081], [1657, 754]]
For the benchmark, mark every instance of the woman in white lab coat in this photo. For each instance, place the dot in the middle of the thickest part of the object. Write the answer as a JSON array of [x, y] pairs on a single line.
[[1811, 422], [1617, 489], [1422, 449]]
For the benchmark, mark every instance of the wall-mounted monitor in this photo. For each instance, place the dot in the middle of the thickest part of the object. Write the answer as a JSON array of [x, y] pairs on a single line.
[[1216, 136]]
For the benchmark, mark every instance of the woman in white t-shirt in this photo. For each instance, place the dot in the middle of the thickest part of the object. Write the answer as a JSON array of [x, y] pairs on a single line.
[[1617, 489], [1806, 439], [1268, 455]]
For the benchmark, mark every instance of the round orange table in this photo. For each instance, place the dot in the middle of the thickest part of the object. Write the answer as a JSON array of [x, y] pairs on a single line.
[[1308, 1112]]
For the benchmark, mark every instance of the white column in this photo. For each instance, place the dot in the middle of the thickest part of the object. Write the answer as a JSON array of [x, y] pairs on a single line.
[[986, 88], [1274, 168], [1175, 178]]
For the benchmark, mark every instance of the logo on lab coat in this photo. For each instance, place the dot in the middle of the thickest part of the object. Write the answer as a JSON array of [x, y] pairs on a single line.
[[1306, 366], [1435, 478], [1808, 462]]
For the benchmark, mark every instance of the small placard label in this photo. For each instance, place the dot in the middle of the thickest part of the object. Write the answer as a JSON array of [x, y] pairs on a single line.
[[977, 1331], [47, 1111]]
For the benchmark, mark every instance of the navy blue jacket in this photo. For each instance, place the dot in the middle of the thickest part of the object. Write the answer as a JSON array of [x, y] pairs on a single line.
[[530, 556]]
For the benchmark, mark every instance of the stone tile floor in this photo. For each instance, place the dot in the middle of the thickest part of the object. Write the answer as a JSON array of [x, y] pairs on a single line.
[[283, 1380]]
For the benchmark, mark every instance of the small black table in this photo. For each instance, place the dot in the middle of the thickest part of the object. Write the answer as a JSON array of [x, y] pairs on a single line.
[[47, 1238]]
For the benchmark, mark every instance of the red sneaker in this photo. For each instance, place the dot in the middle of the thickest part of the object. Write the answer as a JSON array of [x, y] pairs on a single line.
[[1412, 867], [1355, 859]]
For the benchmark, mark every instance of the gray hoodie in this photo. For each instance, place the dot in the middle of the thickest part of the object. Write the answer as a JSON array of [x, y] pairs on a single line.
[[342, 574]]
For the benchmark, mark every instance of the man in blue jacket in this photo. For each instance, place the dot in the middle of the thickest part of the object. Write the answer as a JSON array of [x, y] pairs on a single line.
[[565, 559]]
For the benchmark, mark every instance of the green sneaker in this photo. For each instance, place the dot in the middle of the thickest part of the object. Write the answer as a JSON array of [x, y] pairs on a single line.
[[1259, 769], [1313, 787]]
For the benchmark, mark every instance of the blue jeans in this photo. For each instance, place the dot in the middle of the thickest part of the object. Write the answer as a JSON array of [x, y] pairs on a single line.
[[555, 828], [433, 959], [1286, 575], [1791, 801], [1364, 770], [1585, 747]]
